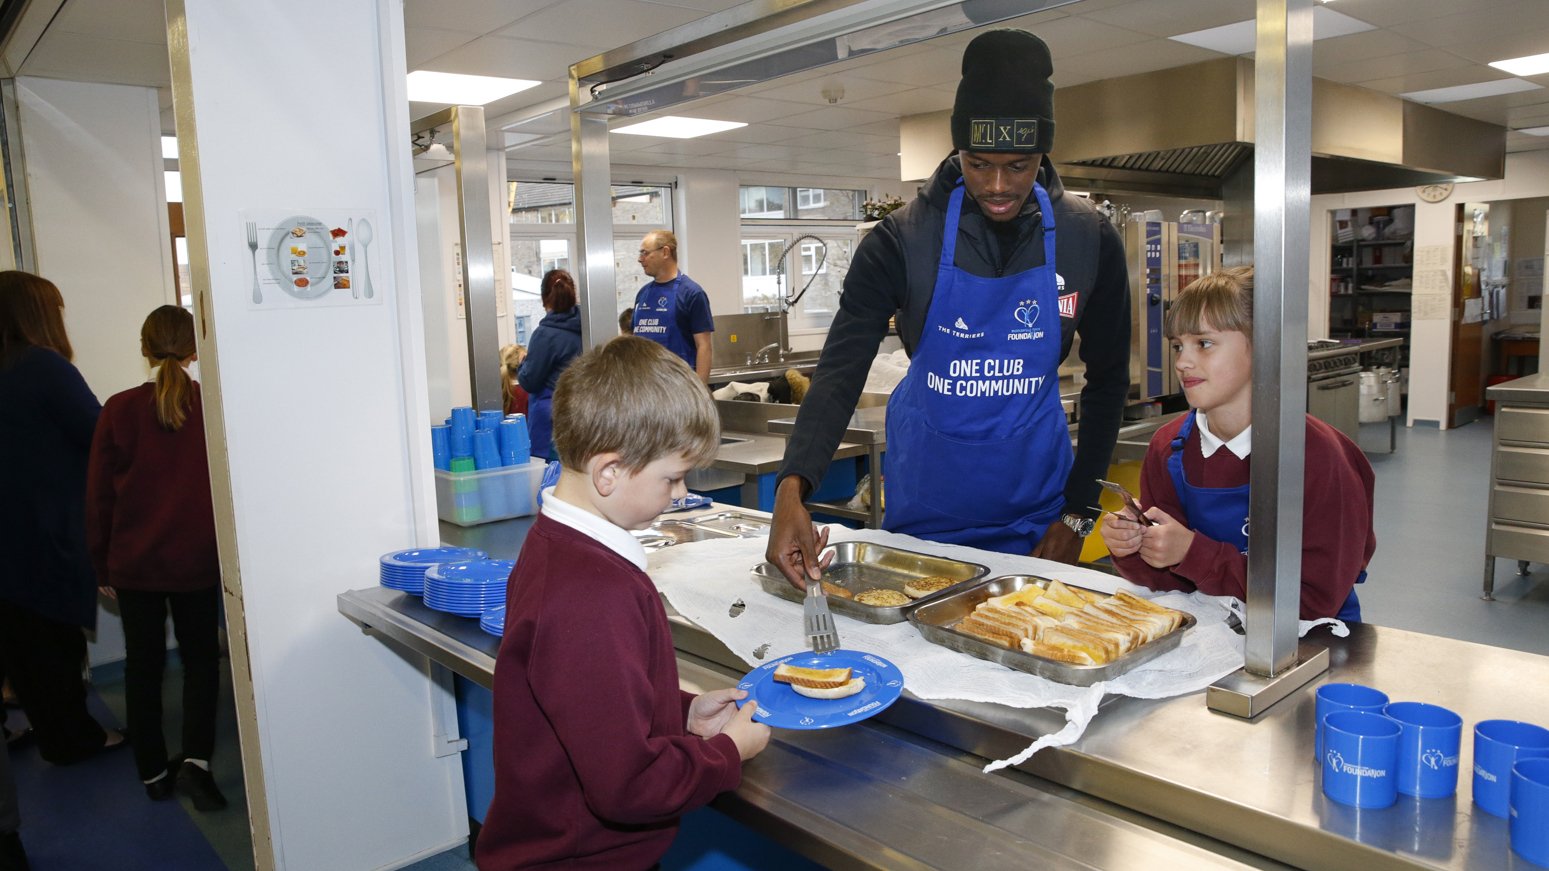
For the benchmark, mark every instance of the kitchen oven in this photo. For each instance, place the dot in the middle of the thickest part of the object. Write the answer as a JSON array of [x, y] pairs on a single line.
[[1334, 386]]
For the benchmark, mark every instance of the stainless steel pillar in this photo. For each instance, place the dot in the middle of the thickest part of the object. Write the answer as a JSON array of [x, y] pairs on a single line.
[[476, 235], [594, 221], [1282, 187], [19, 252]]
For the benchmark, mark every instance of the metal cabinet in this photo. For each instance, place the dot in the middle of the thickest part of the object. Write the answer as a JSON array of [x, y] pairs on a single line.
[[1518, 525]]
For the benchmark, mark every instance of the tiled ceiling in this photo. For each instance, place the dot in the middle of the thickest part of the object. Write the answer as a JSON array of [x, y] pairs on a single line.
[[796, 124]]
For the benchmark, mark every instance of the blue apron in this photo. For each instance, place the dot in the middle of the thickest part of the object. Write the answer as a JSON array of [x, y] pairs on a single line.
[[540, 419], [656, 318], [1221, 513], [977, 446]]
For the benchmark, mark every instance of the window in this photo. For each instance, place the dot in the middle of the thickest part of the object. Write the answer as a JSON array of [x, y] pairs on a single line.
[[523, 329], [815, 270], [543, 234], [763, 202]]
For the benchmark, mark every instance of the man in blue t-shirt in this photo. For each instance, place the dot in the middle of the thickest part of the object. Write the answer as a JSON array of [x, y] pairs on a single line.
[[672, 309]]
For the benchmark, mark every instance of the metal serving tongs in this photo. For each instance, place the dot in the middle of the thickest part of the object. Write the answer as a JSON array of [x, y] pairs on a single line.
[[816, 619]]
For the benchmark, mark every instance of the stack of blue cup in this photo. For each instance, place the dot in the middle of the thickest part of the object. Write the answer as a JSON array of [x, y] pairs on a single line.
[[492, 488], [441, 447], [405, 569], [489, 419], [462, 425], [515, 444]]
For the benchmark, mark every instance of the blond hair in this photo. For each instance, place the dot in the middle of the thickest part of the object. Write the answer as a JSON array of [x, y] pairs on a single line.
[[167, 339], [666, 239], [1222, 301], [634, 398], [510, 362]]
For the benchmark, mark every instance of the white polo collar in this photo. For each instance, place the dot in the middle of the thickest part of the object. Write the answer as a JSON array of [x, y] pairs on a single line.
[[1240, 445], [590, 525]]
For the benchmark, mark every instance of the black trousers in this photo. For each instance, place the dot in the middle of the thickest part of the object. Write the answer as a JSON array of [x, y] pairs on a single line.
[[195, 623], [43, 658]]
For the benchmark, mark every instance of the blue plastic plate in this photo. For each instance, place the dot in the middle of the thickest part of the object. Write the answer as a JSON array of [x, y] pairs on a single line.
[[784, 708], [476, 573], [422, 557]]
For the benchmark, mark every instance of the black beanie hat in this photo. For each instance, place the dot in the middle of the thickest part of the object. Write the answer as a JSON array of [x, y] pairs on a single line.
[[1005, 102]]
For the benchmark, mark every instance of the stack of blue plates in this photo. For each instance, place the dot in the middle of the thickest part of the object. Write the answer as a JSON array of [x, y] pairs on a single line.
[[493, 621], [468, 589], [405, 569]]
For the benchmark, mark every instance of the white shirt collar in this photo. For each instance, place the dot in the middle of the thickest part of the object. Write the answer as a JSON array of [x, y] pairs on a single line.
[[590, 525], [1240, 445]]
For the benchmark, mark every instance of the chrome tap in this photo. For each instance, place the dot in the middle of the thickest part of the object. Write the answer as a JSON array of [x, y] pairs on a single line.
[[762, 354]]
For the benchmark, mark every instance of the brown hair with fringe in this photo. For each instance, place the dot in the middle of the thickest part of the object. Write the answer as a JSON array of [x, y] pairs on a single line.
[[31, 315], [635, 398], [1221, 301], [167, 339]]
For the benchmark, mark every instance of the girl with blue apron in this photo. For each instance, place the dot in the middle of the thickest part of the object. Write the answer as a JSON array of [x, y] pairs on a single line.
[[656, 318], [977, 445], [1221, 513]]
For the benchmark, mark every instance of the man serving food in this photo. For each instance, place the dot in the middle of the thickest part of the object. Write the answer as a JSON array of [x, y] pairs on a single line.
[[991, 270]]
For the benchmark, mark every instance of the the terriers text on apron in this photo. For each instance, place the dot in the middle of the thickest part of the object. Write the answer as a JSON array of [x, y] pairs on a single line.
[[1221, 513], [656, 318], [977, 446]]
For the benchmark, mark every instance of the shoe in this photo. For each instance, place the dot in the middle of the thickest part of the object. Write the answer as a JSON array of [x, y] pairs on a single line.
[[161, 790], [199, 787], [12, 856]]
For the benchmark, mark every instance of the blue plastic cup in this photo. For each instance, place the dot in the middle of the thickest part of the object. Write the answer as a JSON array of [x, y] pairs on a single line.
[[441, 447], [490, 419], [1530, 810], [1427, 749], [1360, 754], [1343, 697], [1498, 744], [485, 454], [462, 431], [515, 450]]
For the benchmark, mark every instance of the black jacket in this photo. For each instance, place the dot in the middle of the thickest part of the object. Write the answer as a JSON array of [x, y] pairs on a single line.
[[555, 342], [894, 271]]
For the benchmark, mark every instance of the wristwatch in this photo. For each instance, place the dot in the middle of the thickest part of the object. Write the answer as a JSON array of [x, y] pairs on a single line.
[[1081, 526]]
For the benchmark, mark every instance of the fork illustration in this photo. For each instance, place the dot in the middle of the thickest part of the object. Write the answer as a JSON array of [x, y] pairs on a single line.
[[252, 247]]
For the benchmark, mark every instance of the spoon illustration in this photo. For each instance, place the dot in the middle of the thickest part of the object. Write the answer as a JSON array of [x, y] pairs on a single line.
[[365, 255]]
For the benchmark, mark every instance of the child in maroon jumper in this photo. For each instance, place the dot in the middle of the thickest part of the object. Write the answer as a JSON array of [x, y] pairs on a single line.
[[1195, 475], [597, 750]]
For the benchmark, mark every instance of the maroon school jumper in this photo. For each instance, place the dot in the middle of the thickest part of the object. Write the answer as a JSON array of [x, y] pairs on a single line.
[[593, 766], [148, 496], [1337, 537]]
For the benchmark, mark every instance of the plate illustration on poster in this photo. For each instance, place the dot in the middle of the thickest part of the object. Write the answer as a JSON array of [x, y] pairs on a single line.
[[308, 256]]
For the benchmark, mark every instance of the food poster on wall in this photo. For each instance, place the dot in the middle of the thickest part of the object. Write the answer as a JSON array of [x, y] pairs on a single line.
[[314, 257], [502, 298]]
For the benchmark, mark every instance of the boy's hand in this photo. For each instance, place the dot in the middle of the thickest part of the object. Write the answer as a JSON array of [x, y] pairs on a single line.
[[750, 737], [709, 713], [1122, 535], [1165, 544]]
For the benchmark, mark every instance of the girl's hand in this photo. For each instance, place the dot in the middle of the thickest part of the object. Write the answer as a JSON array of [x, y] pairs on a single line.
[[709, 713], [1165, 544], [1122, 535]]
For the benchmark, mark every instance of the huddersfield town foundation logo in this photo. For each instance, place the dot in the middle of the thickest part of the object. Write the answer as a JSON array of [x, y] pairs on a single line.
[[1026, 314]]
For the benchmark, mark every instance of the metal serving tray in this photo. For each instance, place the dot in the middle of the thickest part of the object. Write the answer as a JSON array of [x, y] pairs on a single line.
[[735, 523], [653, 542], [680, 532], [859, 566], [935, 620]]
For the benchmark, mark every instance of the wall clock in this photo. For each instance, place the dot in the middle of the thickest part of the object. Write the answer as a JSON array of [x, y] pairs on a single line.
[[1434, 193]]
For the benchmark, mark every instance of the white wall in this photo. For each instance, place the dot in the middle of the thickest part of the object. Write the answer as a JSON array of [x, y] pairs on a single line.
[[325, 462], [93, 167], [1430, 353]]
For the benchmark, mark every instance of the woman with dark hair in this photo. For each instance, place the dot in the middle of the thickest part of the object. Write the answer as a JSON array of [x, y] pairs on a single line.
[[555, 343], [48, 593], [150, 529]]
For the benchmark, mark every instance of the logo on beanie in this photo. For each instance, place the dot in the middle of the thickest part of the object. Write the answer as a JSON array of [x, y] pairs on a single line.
[[1003, 134]]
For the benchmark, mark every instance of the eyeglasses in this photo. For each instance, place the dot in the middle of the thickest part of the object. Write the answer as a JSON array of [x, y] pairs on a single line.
[[645, 251]]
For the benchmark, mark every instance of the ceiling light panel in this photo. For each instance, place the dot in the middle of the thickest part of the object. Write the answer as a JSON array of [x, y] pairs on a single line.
[[1532, 65], [1471, 92], [1535, 131], [678, 127], [1240, 38], [426, 86]]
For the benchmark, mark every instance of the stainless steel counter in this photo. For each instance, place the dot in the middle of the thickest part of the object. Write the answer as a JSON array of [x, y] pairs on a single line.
[[1532, 390], [1356, 346], [897, 792], [760, 453]]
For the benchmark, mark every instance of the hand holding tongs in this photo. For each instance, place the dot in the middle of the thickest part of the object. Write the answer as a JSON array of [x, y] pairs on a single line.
[[1129, 502]]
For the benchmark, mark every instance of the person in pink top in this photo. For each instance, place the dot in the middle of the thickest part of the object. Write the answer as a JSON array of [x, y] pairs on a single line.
[[1196, 472], [597, 750]]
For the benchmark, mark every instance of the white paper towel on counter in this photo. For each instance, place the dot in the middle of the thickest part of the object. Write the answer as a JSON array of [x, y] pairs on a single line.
[[704, 579]]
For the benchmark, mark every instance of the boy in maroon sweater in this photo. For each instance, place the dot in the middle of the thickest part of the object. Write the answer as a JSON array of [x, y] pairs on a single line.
[[597, 750], [1196, 471]]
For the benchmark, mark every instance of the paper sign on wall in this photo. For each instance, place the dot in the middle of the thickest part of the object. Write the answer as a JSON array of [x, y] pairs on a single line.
[[1432, 257], [313, 257], [1432, 298]]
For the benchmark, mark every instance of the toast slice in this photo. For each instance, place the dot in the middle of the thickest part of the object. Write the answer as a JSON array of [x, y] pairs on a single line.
[[812, 678], [1064, 595], [984, 630]]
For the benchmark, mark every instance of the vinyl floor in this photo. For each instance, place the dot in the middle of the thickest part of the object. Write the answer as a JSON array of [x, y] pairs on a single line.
[[1426, 577]]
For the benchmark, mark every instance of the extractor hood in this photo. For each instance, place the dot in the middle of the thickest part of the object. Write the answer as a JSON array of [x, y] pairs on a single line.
[[1184, 130]]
